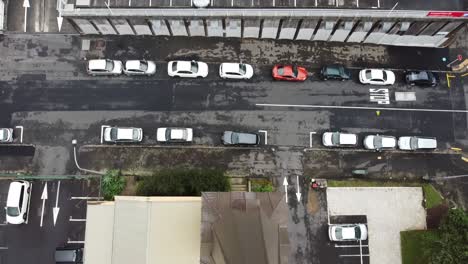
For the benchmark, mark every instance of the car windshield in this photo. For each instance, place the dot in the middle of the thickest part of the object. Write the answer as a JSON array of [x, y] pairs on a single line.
[[136, 134], [194, 66], [235, 138], [423, 76], [333, 71], [12, 211], [280, 70], [384, 74], [168, 134], [242, 69], [174, 66], [357, 232], [335, 138], [113, 133], [295, 71], [377, 142], [109, 65], [368, 74], [339, 233], [414, 143], [143, 65]]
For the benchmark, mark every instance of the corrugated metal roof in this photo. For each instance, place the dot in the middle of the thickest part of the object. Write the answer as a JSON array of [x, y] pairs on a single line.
[[144, 230]]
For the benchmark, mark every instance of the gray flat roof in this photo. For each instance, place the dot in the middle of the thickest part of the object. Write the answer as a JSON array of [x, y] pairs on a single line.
[[442, 5]]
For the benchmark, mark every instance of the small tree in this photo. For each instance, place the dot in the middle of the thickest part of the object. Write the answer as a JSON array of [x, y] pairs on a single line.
[[450, 246], [112, 184], [262, 185]]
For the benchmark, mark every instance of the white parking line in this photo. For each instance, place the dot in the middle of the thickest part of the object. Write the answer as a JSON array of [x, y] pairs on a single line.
[[75, 242], [266, 135], [3, 247], [76, 219], [310, 137], [349, 246], [364, 255], [366, 108], [85, 198]]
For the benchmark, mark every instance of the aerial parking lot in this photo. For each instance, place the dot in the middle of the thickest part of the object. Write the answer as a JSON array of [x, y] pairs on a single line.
[[75, 107]]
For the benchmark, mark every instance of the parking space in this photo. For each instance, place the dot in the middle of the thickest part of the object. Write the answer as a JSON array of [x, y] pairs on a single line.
[[389, 211], [39, 241]]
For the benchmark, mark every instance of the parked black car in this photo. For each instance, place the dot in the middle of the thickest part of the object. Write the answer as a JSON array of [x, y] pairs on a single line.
[[421, 78], [335, 72], [239, 138]]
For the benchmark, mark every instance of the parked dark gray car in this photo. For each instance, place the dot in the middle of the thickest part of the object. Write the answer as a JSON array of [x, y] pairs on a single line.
[[239, 138]]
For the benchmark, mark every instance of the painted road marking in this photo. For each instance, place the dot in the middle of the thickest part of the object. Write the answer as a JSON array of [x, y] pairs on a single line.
[[266, 135], [85, 198], [366, 108], [44, 197], [56, 209], [380, 96], [76, 220], [75, 242], [348, 246]]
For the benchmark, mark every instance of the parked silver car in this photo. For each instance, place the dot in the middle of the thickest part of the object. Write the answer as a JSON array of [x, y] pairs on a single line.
[[347, 232], [104, 67], [379, 142], [239, 138], [338, 139], [417, 143], [174, 134], [122, 134], [139, 67]]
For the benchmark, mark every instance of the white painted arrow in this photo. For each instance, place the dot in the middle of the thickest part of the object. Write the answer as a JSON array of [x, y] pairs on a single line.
[[56, 209], [298, 193], [285, 184], [59, 22], [26, 6], [43, 197]]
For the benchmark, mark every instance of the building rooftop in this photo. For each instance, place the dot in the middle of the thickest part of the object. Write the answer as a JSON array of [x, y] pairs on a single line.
[[437, 5], [143, 230]]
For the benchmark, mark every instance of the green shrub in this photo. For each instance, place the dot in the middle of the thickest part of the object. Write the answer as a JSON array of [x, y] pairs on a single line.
[[183, 182], [113, 183], [261, 185]]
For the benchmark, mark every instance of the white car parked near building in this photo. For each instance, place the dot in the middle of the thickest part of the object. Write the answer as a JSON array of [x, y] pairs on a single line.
[[376, 77], [235, 71], [104, 67], [17, 206], [417, 143], [187, 69], [347, 232], [6, 135], [174, 134], [379, 142], [122, 134], [338, 139], [139, 67]]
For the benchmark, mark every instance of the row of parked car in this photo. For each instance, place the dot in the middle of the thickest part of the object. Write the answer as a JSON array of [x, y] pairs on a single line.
[[172, 135], [198, 69], [379, 142]]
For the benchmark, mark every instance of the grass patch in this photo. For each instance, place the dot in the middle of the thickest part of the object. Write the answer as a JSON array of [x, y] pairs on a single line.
[[113, 183], [261, 185], [412, 245], [183, 182], [432, 196]]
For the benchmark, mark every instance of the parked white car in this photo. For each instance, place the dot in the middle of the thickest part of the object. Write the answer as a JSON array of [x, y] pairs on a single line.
[[379, 142], [338, 139], [122, 134], [174, 134], [139, 67], [347, 232], [376, 77], [104, 67], [17, 206], [235, 71], [187, 69], [416, 143], [6, 135]]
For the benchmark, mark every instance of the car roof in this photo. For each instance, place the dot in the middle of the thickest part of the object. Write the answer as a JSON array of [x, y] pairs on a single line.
[[247, 137], [125, 133], [177, 133], [132, 64], [376, 74], [13, 194], [231, 67], [388, 141], [348, 232], [3, 133], [184, 66], [97, 64], [427, 142], [348, 138]]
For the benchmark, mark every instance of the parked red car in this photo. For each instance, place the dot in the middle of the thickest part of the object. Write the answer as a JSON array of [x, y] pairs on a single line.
[[289, 73]]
